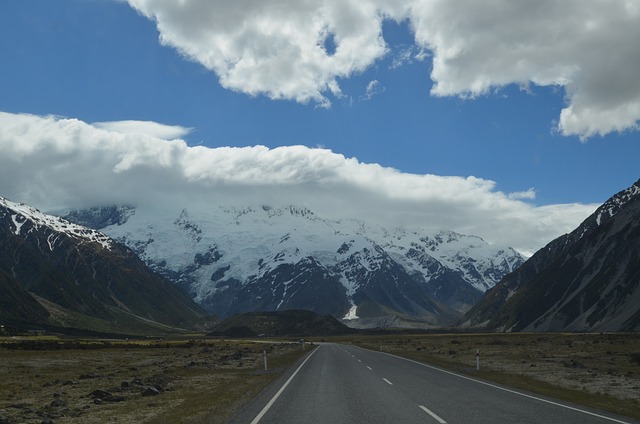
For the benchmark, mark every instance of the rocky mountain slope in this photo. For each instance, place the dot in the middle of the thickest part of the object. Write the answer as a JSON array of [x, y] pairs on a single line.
[[55, 273], [587, 280], [235, 260]]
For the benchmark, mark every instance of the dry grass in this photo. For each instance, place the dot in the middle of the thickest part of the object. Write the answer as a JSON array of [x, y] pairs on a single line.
[[198, 381], [598, 370]]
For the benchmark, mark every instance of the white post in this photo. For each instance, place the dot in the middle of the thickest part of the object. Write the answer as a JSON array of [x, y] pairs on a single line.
[[265, 360], [478, 359]]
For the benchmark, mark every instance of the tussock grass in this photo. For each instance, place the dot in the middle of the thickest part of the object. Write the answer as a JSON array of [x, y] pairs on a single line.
[[200, 380]]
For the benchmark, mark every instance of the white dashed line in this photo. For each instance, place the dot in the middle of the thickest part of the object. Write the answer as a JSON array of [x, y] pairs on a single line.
[[435, 417], [370, 369], [387, 381]]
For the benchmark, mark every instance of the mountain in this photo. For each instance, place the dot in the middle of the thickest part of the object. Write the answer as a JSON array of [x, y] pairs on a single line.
[[280, 323], [55, 273], [236, 260], [587, 280]]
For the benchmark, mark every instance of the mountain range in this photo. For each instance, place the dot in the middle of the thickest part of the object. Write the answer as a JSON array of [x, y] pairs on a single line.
[[587, 280], [57, 274], [157, 269], [235, 260]]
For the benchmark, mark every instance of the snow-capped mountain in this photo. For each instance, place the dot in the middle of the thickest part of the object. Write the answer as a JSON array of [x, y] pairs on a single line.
[[587, 280], [262, 258], [60, 274], [20, 214]]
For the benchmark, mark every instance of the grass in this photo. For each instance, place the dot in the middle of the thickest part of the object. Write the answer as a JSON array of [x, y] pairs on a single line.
[[207, 380], [200, 380]]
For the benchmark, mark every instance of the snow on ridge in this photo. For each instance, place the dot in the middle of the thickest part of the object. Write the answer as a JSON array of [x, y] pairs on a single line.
[[613, 205], [253, 241], [20, 213]]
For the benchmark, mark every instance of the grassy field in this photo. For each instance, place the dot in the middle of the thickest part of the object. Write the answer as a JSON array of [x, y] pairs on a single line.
[[207, 380], [94, 381], [597, 370]]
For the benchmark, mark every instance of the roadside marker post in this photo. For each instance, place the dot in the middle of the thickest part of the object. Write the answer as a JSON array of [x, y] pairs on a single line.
[[478, 359], [265, 360]]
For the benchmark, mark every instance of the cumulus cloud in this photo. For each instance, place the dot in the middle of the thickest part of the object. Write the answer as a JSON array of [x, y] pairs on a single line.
[[153, 129], [279, 48], [55, 163]]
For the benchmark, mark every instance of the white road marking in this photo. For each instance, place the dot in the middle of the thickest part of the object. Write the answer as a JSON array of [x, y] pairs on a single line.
[[435, 417], [387, 381], [370, 369], [258, 417], [359, 360], [508, 390]]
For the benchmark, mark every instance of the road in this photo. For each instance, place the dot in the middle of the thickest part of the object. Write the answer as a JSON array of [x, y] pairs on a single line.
[[345, 384]]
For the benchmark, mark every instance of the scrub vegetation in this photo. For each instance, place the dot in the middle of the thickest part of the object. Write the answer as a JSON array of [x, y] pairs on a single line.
[[133, 381]]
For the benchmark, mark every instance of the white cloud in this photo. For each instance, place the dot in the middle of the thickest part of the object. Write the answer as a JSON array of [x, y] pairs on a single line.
[[587, 46], [521, 195], [153, 129], [52, 163], [373, 89], [277, 48]]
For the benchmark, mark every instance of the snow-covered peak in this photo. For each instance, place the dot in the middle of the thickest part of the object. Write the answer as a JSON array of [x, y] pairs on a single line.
[[615, 203], [253, 241], [20, 214]]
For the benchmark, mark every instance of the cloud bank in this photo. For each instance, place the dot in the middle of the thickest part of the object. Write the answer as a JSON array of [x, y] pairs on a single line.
[[153, 129], [53, 163], [299, 49]]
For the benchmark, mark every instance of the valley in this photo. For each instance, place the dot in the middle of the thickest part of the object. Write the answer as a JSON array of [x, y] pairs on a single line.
[[204, 379]]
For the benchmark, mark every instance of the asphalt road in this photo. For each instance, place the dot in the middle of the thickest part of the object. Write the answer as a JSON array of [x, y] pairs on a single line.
[[346, 384]]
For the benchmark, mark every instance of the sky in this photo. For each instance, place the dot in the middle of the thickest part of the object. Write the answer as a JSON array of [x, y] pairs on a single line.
[[511, 120]]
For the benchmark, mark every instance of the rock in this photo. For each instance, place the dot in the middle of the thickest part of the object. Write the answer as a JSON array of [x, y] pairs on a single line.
[[88, 376], [100, 394], [150, 391], [58, 403]]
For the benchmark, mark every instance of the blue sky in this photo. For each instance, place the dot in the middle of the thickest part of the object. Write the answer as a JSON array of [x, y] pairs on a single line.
[[102, 61]]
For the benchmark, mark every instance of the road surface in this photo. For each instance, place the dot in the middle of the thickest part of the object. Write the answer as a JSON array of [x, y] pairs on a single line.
[[346, 384]]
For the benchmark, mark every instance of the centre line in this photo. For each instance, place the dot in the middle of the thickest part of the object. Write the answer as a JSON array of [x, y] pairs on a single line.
[[435, 417], [387, 381], [370, 369]]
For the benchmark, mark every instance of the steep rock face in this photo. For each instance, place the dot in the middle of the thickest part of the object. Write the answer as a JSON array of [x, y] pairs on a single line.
[[246, 259], [82, 270], [587, 280], [303, 285]]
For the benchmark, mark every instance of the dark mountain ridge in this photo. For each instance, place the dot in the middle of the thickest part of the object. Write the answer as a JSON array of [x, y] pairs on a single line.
[[296, 323], [587, 280], [57, 273]]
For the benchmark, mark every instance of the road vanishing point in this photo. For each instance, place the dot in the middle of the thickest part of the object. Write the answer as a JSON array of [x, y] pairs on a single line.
[[345, 384]]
